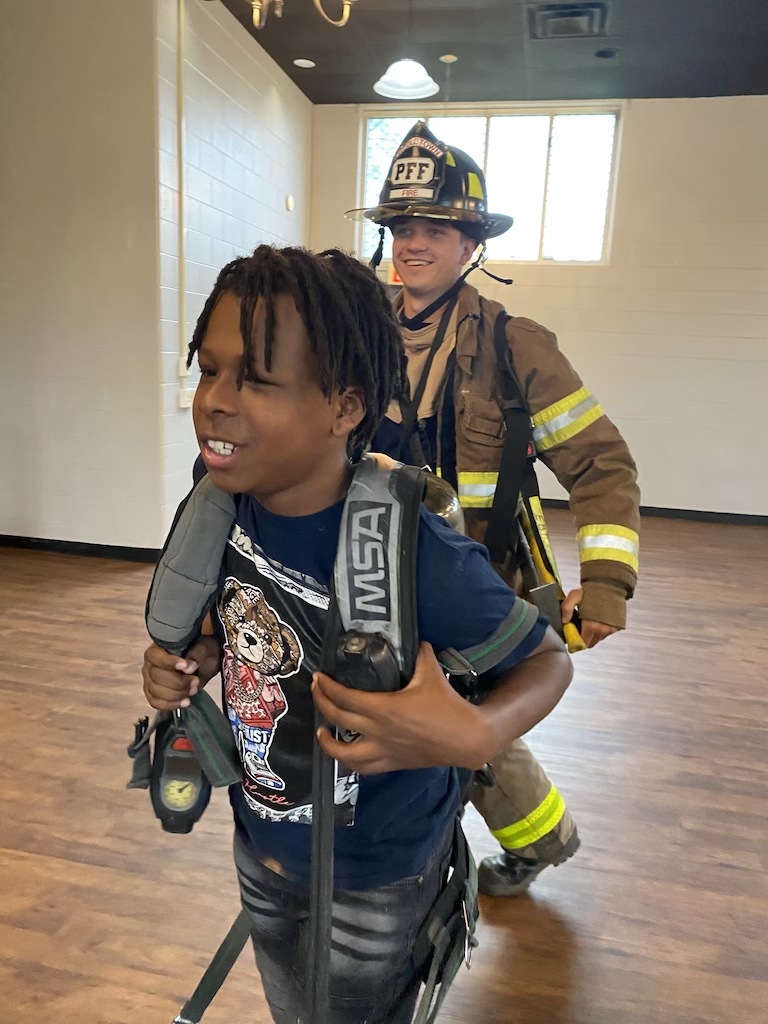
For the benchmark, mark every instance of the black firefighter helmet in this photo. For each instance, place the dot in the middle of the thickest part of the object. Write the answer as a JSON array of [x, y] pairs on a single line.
[[429, 179]]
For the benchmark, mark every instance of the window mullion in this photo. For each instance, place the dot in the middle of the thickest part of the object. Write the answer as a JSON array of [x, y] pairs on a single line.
[[546, 189]]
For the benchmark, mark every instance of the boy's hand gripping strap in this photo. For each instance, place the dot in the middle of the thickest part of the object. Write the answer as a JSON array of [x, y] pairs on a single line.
[[187, 576]]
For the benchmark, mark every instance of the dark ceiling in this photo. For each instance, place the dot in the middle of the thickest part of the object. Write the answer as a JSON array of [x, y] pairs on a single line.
[[663, 48]]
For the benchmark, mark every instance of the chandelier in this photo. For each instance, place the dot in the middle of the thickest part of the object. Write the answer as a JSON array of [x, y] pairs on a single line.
[[261, 10]]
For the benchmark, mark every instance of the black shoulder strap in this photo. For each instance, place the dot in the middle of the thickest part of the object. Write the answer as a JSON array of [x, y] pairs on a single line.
[[515, 465], [373, 591], [322, 856]]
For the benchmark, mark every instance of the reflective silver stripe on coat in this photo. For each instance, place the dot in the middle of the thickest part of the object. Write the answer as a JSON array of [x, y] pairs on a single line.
[[609, 540], [551, 427], [477, 490]]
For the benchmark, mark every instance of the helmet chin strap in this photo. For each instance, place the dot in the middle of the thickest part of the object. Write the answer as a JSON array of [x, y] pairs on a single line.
[[376, 258], [415, 323], [479, 264]]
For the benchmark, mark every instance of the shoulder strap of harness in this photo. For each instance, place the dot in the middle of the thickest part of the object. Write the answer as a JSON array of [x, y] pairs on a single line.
[[375, 570], [524, 535], [373, 595], [187, 577], [516, 466]]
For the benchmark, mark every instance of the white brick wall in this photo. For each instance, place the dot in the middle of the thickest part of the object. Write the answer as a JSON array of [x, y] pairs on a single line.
[[96, 449], [248, 137], [672, 335], [78, 277]]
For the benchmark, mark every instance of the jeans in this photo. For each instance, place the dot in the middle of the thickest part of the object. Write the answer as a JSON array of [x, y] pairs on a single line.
[[371, 946]]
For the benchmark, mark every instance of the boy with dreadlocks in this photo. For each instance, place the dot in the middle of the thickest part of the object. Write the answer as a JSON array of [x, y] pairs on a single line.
[[299, 358]]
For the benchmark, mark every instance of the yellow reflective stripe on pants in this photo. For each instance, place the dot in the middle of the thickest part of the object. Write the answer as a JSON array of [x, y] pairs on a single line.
[[608, 541], [476, 490], [564, 419], [535, 825]]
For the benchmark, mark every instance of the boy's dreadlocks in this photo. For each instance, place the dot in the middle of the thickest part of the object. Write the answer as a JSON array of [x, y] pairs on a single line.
[[350, 322]]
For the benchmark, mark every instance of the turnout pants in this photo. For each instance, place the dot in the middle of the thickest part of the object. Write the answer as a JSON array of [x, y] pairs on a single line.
[[523, 810]]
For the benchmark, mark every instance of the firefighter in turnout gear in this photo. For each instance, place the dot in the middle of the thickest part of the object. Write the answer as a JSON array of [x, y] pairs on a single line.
[[470, 366]]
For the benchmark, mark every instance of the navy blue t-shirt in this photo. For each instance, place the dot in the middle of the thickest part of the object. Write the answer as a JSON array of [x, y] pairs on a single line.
[[270, 620]]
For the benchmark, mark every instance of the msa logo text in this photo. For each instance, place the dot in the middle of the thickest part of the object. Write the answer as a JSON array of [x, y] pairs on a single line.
[[368, 571], [413, 170]]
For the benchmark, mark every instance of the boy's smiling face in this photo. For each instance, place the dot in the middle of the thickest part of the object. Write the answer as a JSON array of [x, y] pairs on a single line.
[[278, 437]]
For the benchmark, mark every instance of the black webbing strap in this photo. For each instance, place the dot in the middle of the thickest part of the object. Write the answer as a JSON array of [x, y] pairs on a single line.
[[515, 465], [411, 411], [447, 936], [212, 740], [445, 457], [139, 751], [321, 879], [216, 972], [415, 323], [416, 443], [321, 864]]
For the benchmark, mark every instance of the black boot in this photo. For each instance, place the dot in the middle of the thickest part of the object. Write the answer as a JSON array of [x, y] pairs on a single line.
[[506, 874]]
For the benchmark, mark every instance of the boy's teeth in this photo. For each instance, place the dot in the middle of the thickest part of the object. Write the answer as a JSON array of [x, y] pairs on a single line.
[[221, 447]]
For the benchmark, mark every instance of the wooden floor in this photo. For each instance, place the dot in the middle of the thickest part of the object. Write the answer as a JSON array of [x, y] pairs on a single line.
[[659, 747]]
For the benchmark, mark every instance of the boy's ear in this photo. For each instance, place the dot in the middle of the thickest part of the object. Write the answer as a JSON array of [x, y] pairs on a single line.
[[350, 410]]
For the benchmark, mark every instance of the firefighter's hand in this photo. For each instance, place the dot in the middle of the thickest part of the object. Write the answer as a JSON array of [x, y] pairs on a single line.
[[591, 632], [425, 725], [169, 681]]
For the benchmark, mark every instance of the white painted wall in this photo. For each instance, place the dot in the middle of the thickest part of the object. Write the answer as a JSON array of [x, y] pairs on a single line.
[[672, 335], [79, 397], [95, 448], [248, 146]]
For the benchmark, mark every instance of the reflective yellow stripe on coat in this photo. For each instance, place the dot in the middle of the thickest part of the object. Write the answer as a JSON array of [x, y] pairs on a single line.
[[606, 540], [565, 419], [535, 825], [476, 490]]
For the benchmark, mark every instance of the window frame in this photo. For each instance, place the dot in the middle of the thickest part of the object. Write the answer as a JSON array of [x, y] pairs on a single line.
[[487, 110]]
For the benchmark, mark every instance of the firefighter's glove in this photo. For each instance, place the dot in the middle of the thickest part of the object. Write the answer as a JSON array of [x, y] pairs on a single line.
[[591, 632]]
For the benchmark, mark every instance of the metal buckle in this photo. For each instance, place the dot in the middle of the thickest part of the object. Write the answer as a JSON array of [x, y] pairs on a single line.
[[468, 944], [460, 674]]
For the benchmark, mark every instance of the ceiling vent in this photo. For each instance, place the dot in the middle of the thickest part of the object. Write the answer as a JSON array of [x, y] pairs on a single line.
[[568, 21]]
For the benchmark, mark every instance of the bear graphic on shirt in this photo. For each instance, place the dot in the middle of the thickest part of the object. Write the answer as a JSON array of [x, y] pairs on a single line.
[[260, 650]]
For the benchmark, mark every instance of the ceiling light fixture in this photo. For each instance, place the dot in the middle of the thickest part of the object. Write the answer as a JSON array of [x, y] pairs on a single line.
[[449, 59], [406, 79], [261, 11], [303, 62]]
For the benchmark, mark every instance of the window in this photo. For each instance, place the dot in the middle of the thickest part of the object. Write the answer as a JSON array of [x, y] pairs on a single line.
[[551, 172]]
